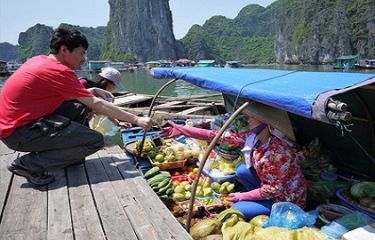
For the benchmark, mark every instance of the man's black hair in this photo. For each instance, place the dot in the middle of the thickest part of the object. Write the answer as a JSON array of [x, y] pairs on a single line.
[[69, 37]]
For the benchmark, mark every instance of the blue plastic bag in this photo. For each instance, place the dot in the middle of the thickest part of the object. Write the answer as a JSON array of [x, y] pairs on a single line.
[[289, 215]]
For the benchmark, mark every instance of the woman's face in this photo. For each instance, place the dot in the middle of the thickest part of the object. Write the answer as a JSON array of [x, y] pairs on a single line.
[[110, 86], [253, 122]]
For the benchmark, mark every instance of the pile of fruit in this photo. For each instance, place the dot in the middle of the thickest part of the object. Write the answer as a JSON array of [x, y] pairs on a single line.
[[169, 151], [225, 187]]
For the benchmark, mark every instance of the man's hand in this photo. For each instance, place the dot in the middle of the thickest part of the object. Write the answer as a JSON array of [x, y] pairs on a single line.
[[98, 92], [145, 122], [124, 124]]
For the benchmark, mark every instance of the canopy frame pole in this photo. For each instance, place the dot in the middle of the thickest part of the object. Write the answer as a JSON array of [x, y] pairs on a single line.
[[205, 157], [140, 150]]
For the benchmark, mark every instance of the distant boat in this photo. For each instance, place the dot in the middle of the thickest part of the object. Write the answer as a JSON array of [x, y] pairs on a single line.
[[233, 64], [206, 63], [366, 64], [346, 62]]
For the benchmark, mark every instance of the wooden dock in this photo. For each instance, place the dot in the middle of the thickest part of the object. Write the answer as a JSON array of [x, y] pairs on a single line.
[[105, 198]]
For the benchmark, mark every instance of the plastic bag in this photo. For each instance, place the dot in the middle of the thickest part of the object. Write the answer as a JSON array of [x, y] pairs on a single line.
[[110, 131], [334, 230], [289, 215], [345, 224], [354, 220]]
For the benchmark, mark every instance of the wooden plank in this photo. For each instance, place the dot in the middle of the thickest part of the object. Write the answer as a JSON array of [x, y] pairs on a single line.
[[6, 156], [85, 219], [169, 104], [166, 115], [59, 218], [165, 223], [131, 100], [25, 215], [133, 209], [115, 222], [192, 110]]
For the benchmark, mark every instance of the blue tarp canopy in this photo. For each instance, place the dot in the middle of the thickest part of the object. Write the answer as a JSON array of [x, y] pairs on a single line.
[[302, 93]]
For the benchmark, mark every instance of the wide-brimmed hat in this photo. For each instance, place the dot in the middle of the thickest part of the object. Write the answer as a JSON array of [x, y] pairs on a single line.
[[113, 75], [272, 116]]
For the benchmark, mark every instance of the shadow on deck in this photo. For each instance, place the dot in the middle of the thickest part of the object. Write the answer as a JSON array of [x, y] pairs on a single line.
[[105, 198]]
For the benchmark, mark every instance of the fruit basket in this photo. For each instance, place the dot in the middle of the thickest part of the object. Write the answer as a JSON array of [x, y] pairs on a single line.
[[331, 212], [167, 165]]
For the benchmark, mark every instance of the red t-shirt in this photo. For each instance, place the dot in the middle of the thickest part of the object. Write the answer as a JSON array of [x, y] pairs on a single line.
[[35, 90]]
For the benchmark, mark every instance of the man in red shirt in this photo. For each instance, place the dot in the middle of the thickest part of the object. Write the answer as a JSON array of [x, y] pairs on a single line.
[[33, 116]]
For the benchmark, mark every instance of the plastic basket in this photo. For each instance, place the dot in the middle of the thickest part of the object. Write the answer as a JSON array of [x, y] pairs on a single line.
[[341, 194], [133, 134]]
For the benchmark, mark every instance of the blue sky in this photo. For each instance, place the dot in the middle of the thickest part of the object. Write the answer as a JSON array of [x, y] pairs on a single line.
[[18, 15]]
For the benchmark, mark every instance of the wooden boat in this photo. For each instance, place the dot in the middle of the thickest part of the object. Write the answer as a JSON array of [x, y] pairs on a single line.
[[167, 107], [366, 64]]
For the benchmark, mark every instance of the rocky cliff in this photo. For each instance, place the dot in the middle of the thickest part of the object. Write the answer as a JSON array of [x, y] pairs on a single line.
[[8, 51], [141, 28], [36, 39], [319, 31], [288, 31]]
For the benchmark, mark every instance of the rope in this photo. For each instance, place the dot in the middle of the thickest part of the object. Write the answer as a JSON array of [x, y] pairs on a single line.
[[262, 80], [345, 130], [362, 148]]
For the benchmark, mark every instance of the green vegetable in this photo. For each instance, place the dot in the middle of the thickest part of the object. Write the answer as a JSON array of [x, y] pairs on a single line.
[[363, 190]]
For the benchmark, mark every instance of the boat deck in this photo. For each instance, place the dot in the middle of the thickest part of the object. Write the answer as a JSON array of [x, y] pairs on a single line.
[[105, 198]]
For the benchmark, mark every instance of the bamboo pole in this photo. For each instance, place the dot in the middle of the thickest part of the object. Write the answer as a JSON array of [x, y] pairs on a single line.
[[140, 150], [203, 162]]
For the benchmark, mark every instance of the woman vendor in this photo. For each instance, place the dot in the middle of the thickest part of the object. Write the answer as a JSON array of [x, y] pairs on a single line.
[[271, 171]]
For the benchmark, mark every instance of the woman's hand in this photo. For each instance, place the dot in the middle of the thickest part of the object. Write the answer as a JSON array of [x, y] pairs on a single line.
[[170, 132], [98, 92], [234, 197], [252, 195]]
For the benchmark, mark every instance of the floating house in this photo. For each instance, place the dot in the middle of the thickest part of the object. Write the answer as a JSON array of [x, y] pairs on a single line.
[[151, 64], [13, 65], [346, 62], [97, 65], [206, 63], [121, 66]]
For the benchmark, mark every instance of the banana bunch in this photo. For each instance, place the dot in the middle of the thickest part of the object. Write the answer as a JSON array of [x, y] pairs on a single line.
[[229, 214], [148, 145]]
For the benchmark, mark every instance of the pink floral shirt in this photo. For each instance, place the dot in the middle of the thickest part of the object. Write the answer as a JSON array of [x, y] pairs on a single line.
[[280, 172]]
